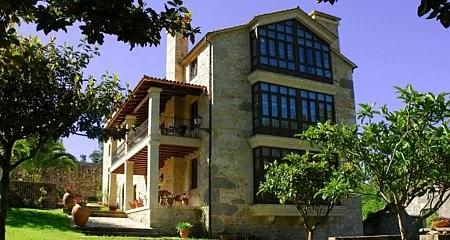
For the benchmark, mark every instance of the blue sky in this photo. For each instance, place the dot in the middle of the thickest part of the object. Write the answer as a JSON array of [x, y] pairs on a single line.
[[386, 39]]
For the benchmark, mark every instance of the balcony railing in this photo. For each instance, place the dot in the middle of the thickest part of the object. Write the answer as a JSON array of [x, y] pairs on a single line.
[[140, 133], [118, 153], [177, 127], [169, 126]]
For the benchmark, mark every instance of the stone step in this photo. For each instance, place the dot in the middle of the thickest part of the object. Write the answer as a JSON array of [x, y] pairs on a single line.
[[113, 214], [131, 232]]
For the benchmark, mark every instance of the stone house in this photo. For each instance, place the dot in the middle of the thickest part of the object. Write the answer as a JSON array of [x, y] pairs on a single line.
[[227, 107]]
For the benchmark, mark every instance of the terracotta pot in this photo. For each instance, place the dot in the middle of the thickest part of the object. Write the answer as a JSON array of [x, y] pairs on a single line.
[[68, 200], [185, 202], [440, 224], [80, 215], [184, 233]]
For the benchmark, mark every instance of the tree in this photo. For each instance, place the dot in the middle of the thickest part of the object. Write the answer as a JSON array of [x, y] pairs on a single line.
[[404, 155], [310, 183], [51, 156], [131, 21], [96, 156], [83, 158], [44, 97], [437, 9]]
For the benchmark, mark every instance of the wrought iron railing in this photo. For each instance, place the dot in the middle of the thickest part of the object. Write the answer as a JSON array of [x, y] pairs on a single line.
[[118, 153], [177, 127], [138, 134]]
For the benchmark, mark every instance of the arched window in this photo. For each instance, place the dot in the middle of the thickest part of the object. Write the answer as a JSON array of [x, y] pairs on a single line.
[[290, 48]]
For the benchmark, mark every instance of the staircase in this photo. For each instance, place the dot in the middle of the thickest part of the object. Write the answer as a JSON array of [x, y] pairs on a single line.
[[114, 223]]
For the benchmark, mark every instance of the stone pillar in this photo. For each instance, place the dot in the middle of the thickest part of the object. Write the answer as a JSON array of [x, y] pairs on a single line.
[[152, 173], [112, 189], [153, 111], [153, 146], [130, 120], [129, 189]]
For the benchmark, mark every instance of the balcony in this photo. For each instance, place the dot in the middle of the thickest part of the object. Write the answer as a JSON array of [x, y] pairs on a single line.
[[170, 126]]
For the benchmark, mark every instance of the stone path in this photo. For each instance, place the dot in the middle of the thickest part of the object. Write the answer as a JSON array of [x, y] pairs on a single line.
[[106, 222]]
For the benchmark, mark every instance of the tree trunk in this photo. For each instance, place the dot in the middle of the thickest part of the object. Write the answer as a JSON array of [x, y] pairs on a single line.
[[401, 225], [4, 184], [310, 234]]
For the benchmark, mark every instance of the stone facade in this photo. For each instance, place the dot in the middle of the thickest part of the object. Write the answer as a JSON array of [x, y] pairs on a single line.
[[223, 65]]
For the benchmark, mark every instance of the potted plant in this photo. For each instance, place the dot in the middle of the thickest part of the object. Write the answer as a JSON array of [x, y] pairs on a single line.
[[183, 228], [441, 222]]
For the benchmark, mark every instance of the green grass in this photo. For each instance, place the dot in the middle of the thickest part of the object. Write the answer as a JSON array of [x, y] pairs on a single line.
[[34, 224]]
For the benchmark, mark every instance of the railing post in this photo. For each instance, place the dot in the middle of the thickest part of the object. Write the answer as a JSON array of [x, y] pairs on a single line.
[[130, 120]]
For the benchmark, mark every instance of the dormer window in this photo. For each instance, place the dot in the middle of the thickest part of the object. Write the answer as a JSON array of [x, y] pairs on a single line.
[[290, 48], [193, 69]]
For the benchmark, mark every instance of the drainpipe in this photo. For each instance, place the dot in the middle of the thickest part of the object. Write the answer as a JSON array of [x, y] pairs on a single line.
[[210, 139]]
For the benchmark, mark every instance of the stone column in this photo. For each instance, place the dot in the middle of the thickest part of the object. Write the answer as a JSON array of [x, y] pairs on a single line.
[[112, 189], [153, 146], [129, 189], [154, 110], [152, 173]]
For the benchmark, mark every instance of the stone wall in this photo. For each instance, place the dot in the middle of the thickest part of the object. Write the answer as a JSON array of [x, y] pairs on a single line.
[[18, 190], [165, 218], [380, 237], [86, 179]]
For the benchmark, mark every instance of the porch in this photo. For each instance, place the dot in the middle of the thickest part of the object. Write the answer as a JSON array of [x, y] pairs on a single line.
[[159, 152]]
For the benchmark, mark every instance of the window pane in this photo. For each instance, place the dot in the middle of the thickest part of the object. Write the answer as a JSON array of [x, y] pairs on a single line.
[[321, 97], [308, 35], [274, 101], [289, 38], [275, 123], [265, 122], [304, 94], [327, 74], [291, 66], [265, 104], [329, 98], [329, 112], [274, 88], [289, 23], [272, 34], [289, 29], [290, 52], [292, 92], [280, 27], [281, 50], [282, 64], [301, 42], [309, 55], [266, 152], [283, 90], [308, 43], [312, 95], [284, 124], [326, 61], [272, 51], [281, 36], [318, 59], [273, 62], [262, 46], [265, 86], [317, 45], [300, 33], [262, 32], [302, 68], [311, 70], [305, 110], [321, 112], [325, 47], [263, 60], [292, 106], [284, 110], [312, 107], [302, 55], [294, 125], [319, 72]]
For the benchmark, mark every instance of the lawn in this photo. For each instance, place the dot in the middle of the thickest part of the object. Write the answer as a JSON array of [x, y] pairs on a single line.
[[33, 224]]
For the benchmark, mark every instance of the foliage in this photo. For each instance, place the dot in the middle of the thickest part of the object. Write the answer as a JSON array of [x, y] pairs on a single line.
[[45, 96], [50, 156], [131, 21], [184, 226], [96, 156], [309, 182], [83, 158], [437, 9], [371, 200], [405, 155]]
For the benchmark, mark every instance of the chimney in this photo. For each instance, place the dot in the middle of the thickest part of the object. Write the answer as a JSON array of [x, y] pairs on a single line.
[[329, 22], [177, 48]]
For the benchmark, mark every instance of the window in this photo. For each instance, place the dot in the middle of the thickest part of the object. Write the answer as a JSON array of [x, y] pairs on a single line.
[[262, 156], [284, 111], [290, 48], [193, 69], [194, 173], [194, 113]]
